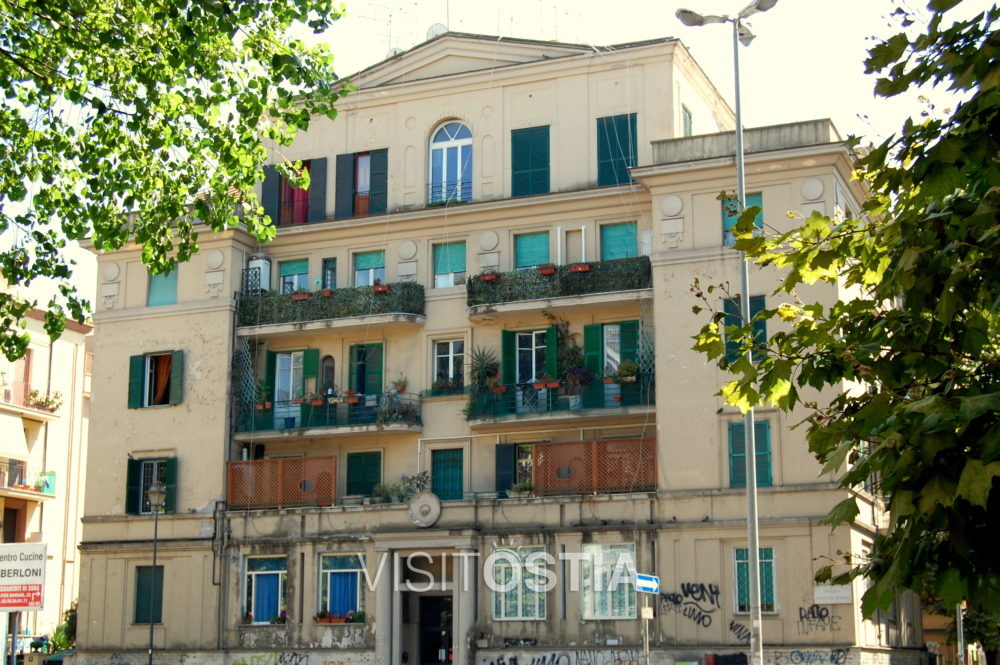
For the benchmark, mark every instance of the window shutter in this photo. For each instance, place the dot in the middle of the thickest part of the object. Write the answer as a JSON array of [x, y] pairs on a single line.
[[176, 377], [731, 307], [364, 471], [373, 368], [449, 258], [366, 260], [629, 339], [378, 202], [310, 369], [136, 379], [619, 241], [270, 193], [270, 364], [593, 359], [343, 206], [762, 444], [317, 190], [540, 160], [759, 327], [616, 149], [531, 249], [299, 267], [162, 289], [737, 455], [373, 471], [170, 477], [605, 163], [508, 356], [551, 351], [520, 173], [355, 354], [133, 485], [506, 466]]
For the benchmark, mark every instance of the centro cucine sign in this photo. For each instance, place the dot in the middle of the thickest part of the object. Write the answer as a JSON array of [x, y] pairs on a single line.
[[22, 576]]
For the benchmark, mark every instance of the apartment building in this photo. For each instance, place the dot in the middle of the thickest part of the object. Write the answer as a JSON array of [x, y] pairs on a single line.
[[452, 408]]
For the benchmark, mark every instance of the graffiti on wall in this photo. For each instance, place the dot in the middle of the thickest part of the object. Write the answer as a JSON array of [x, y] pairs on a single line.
[[741, 632], [696, 601], [811, 657], [275, 658], [815, 619], [577, 657]]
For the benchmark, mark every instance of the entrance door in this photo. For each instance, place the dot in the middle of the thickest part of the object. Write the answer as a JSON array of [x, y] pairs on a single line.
[[435, 630]]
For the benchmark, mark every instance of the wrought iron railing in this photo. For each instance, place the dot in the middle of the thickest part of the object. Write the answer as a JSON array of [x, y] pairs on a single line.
[[15, 474], [266, 307], [568, 280], [282, 483], [345, 411], [453, 191], [521, 400]]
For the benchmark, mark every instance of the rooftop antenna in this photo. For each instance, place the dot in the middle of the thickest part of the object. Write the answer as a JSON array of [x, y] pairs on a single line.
[[435, 30]]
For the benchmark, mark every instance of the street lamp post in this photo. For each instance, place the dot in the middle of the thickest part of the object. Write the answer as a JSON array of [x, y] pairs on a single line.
[[156, 495], [742, 35]]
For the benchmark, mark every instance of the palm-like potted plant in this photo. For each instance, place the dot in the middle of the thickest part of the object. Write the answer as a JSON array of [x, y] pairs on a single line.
[[400, 384], [627, 371], [520, 490]]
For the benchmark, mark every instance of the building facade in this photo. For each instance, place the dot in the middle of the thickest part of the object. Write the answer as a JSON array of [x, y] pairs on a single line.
[[451, 408]]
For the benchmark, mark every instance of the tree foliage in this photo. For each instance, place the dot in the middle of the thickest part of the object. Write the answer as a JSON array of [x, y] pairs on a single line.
[[128, 121], [911, 347]]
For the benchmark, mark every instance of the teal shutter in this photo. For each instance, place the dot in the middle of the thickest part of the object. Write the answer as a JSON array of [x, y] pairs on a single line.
[[729, 218], [619, 241], [136, 381], [317, 190], [506, 466], [616, 149], [367, 260], [508, 356], [731, 307], [133, 486], [148, 594], [343, 202], [449, 258], [446, 474], [170, 480], [762, 443], [551, 351], [270, 193], [310, 369], [176, 377], [531, 249], [737, 455], [629, 339], [287, 268], [355, 356], [593, 359], [759, 326], [373, 368], [529, 161], [162, 289], [379, 183], [270, 364], [364, 472]]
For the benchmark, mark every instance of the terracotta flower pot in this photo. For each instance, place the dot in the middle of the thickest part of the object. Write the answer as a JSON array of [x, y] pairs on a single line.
[[327, 293], [381, 288], [608, 380], [547, 271], [300, 296], [552, 384], [581, 267], [538, 386], [499, 389], [316, 402], [353, 399], [488, 277]]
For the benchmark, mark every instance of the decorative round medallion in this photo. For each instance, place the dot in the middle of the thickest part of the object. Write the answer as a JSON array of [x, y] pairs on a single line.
[[110, 272], [811, 188], [411, 122], [425, 509], [488, 241], [671, 205], [214, 259], [407, 249]]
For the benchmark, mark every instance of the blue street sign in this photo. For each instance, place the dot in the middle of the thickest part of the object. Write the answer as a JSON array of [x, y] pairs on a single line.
[[647, 583]]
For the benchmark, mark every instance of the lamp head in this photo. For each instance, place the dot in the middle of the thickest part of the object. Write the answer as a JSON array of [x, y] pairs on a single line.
[[744, 35], [689, 17], [757, 6], [157, 496]]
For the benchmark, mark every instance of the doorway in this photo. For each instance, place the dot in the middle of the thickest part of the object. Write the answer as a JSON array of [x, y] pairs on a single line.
[[435, 630]]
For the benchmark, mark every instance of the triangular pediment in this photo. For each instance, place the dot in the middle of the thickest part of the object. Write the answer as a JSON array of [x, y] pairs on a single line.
[[459, 53]]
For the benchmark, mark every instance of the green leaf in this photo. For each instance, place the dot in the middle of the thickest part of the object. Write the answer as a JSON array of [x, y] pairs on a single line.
[[844, 512], [976, 481]]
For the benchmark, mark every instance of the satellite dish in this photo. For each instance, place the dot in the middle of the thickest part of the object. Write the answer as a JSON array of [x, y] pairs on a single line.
[[393, 52], [425, 509], [436, 29]]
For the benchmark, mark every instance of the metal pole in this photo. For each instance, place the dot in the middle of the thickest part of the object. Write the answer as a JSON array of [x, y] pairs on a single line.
[[645, 628], [960, 630], [152, 581], [753, 544]]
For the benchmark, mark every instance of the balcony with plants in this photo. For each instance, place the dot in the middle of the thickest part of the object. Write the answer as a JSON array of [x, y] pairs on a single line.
[[488, 290], [17, 479]]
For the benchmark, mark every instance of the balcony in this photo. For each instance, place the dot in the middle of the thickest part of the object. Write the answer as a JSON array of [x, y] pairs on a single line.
[[400, 303], [593, 467], [531, 401], [17, 479], [567, 285], [282, 483], [28, 402], [323, 416]]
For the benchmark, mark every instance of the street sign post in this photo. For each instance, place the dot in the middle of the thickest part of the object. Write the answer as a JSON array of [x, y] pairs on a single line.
[[647, 583], [22, 576]]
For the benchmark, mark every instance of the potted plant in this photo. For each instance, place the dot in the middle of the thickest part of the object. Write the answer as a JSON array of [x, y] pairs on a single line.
[[411, 485], [350, 396], [488, 276], [281, 617], [316, 399], [261, 397], [550, 382], [399, 384], [580, 267], [247, 618], [579, 375], [520, 489], [300, 294], [495, 386], [547, 269], [378, 286], [337, 618], [47, 402], [627, 371], [357, 617], [322, 617]]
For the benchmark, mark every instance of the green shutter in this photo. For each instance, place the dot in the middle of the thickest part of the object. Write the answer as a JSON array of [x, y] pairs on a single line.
[[529, 161], [551, 351], [531, 249], [379, 182], [176, 377], [148, 594], [446, 474], [310, 369], [506, 466], [162, 289], [367, 260], [136, 381], [373, 368], [286, 268], [762, 443], [449, 258], [270, 193], [737, 455], [731, 307], [170, 478], [759, 326], [343, 205], [629, 339], [133, 486], [352, 370], [616, 149], [270, 365], [729, 219], [364, 472], [508, 356], [593, 359], [317, 190], [619, 241]]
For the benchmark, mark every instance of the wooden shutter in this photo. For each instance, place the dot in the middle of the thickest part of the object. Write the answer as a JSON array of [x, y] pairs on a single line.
[[343, 206], [352, 370], [317, 190], [593, 359], [508, 356], [759, 327], [170, 478], [373, 368], [270, 194], [133, 486], [520, 171], [446, 474], [762, 443], [148, 594], [616, 149], [551, 351], [176, 377], [364, 472], [506, 466], [731, 306], [737, 455], [270, 369], [629, 339], [379, 183], [605, 161], [136, 381], [539, 150], [310, 370]]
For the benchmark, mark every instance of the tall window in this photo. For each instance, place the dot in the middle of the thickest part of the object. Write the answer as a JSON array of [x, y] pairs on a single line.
[[364, 472], [616, 149], [294, 275], [738, 454], [531, 249], [531, 356], [687, 122], [608, 586], [294, 201], [529, 156], [451, 164], [265, 588], [340, 584], [733, 317], [148, 594], [619, 241], [731, 215], [362, 183], [447, 474], [448, 359], [141, 474], [287, 205], [369, 267], [329, 373], [156, 379], [526, 599], [162, 289], [767, 580], [329, 273], [289, 382], [449, 264]]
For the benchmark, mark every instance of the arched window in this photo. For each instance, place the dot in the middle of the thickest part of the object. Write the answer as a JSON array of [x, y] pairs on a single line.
[[329, 374], [451, 164]]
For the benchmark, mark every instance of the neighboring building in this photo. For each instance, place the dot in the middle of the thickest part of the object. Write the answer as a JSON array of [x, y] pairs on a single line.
[[44, 420], [450, 181]]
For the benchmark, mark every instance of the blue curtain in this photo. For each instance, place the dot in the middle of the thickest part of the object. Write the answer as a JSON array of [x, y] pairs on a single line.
[[265, 597], [343, 593]]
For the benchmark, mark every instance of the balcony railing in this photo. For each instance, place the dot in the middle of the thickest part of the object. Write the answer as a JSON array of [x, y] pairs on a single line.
[[593, 467], [356, 410], [14, 474], [445, 193], [20, 393], [282, 483], [571, 280], [265, 307], [520, 400]]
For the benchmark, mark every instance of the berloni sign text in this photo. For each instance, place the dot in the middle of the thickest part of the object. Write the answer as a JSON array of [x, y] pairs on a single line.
[[22, 576]]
